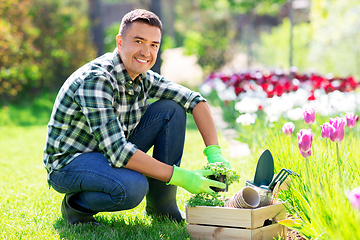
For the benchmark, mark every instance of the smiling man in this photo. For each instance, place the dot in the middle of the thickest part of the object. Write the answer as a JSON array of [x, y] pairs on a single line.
[[102, 126]]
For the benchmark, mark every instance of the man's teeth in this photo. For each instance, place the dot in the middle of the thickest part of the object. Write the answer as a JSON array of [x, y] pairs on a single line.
[[143, 61]]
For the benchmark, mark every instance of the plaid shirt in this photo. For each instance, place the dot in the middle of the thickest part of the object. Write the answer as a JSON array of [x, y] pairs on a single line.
[[99, 105]]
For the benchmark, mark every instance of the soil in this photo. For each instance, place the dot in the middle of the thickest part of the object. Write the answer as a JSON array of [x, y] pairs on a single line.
[[221, 178], [293, 235]]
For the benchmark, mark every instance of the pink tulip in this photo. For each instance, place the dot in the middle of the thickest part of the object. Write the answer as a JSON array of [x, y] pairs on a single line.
[[305, 137], [325, 130], [305, 154], [309, 115], [351, 119], [288, 128], [354, 198], [337, 132]]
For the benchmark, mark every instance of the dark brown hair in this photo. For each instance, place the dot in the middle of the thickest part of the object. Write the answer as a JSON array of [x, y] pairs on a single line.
[[139, 15]]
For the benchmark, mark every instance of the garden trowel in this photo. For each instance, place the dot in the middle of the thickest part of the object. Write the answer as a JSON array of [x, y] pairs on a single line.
[[264, 181], [264, 170]]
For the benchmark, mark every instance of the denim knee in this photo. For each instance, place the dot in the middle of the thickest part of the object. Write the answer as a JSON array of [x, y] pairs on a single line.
[[132, 195], [175, 109]]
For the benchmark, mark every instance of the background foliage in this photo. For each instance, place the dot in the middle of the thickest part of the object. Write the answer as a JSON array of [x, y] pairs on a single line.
[[328, 43], [42, 42]]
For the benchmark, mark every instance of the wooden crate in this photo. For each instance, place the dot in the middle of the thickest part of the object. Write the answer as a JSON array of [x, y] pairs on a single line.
[[233, 223]]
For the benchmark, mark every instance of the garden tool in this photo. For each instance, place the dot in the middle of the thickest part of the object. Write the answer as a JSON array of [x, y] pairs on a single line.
[[281, 176], [264, 181], [263, 176], [264, 170]]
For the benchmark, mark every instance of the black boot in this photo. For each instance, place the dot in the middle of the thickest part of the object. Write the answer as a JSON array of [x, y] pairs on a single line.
[[76, 216], [161, 201]]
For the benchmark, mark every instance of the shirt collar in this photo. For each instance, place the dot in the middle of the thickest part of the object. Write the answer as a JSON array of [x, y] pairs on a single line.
[[123, 76]]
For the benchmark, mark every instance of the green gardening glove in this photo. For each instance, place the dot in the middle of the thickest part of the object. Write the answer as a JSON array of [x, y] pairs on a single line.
[[213, 154], [194, 181]]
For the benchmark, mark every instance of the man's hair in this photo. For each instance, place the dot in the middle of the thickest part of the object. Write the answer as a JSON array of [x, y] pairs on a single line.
[[139, 15]]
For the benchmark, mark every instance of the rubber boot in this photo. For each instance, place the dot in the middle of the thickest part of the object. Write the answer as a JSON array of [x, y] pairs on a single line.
[[161, 201], [75, 216]]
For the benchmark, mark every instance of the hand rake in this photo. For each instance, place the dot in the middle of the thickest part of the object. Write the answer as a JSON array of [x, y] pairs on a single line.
[[281, 176]]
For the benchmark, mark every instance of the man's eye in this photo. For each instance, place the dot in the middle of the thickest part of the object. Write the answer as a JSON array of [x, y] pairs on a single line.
[[138, 41]]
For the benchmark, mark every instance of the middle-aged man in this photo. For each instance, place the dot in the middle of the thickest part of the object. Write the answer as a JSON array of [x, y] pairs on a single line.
[[102, 126]]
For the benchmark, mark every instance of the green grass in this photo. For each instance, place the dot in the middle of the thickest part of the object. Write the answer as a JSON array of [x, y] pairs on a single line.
[[30, 210]]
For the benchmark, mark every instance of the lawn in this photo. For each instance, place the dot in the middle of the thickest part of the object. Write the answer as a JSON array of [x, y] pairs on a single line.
[[30, 210], [318, 198]]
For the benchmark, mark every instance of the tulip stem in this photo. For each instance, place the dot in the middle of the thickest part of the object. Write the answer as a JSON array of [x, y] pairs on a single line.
[[326, 141], [308, 168], [339, 162]]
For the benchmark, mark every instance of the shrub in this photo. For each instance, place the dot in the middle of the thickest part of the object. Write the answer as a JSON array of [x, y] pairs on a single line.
[[17, 50], [42, 43], [64, 44]]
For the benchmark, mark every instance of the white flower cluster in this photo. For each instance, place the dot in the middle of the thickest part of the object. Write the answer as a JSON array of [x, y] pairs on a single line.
[[289, 105]]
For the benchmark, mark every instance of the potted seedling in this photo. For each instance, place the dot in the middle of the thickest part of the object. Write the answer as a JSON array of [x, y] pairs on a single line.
[[222, 174]]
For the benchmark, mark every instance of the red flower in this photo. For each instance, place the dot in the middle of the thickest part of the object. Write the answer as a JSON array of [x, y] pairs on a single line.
[[329, 87], [270, 94], [312, 96], [238, 90], [265, 86]]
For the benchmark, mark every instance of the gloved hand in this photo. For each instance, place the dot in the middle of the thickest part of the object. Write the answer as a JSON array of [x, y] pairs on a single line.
[[213, 154], [194, 181]]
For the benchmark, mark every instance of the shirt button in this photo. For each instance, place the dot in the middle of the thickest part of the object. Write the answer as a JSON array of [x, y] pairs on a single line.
[[131, 82]]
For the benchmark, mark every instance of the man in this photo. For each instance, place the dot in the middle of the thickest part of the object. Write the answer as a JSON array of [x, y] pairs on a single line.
[[102, 126]]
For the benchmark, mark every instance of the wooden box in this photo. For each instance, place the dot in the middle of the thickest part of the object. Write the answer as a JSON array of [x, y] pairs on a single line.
[[234, 223]]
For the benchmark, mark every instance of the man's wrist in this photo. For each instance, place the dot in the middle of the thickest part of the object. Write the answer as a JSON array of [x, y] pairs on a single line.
[[211, 150]]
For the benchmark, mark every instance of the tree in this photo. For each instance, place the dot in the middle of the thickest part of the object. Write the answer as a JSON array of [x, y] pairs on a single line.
[[96, 25], [155, 7]]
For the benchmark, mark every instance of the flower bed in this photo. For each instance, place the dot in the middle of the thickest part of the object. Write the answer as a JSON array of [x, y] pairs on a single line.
[[279, 95], [325, 200]]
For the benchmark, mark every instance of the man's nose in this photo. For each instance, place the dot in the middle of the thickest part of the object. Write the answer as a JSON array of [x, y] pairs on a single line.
[[145, 50]]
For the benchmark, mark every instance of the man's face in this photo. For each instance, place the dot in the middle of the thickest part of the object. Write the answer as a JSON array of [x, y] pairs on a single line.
[[138, 48]]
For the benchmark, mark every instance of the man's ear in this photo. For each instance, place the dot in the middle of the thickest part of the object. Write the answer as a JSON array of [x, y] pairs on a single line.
[[118, 40]]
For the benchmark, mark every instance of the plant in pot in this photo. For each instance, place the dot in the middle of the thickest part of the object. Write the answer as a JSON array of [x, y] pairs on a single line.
[[220, 173]]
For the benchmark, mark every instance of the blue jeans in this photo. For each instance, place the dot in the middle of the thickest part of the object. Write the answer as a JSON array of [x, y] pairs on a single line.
[[102, 188]]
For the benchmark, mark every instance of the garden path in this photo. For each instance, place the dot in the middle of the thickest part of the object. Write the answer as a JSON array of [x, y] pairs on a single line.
[[235, 148], [183, 69]]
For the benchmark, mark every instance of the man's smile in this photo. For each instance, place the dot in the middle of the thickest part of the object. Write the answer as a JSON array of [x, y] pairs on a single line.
[[142, 60]]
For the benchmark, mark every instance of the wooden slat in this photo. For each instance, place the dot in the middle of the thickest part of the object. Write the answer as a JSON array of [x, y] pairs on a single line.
[[219, 216], [234, 217], [259, 215], [216, 233], [269, 232]]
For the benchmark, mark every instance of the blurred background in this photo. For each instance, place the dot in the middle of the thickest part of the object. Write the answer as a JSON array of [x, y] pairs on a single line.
[[43, 41]]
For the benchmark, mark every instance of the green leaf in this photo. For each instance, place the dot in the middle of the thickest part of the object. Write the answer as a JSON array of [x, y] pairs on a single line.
[[292, 223]]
